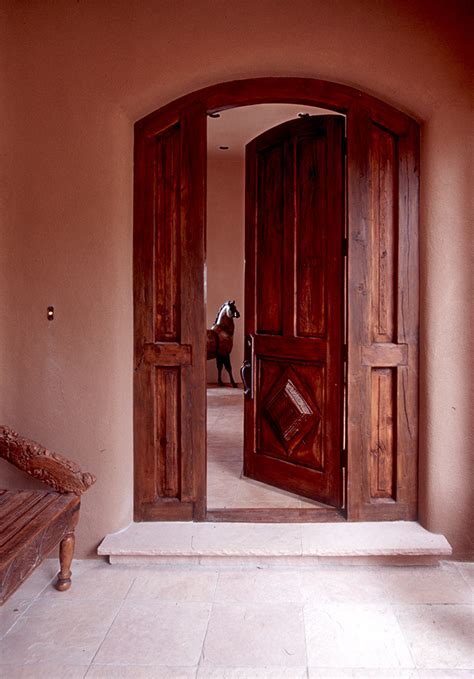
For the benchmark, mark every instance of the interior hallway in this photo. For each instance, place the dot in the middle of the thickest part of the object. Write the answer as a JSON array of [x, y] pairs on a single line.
[[240, 623], [227, 488]]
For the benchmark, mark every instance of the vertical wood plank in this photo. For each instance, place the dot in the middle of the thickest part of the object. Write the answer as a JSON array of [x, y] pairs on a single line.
[[270, 239], [167, 432], [167, 237], [384, 206], [382, 447], [144, 375], [193, 317], [358, 330], [311, 237], [408, 315]]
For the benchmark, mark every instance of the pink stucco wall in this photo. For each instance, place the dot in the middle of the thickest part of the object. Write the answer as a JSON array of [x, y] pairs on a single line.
[[76, 75]]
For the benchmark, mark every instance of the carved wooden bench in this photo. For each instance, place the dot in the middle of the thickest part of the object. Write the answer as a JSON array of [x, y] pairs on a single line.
[[33, 522]]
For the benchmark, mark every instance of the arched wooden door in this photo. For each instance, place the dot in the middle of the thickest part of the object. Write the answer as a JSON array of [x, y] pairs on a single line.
[[379, 455]]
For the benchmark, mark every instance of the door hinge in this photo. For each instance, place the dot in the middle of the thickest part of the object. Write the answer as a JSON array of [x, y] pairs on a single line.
[[344, 352], [345, 247]]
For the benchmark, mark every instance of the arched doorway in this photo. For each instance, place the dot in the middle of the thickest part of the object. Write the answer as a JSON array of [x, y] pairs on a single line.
[[379, 461]]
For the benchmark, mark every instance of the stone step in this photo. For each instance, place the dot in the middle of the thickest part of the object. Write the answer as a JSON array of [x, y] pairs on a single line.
[[395, 542]]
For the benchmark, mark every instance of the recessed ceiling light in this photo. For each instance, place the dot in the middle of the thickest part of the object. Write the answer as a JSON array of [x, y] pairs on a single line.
[[214, 115], [224, 148], [303, 115]]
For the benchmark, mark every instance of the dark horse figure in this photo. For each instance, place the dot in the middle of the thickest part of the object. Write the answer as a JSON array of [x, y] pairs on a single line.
[[220, 339]]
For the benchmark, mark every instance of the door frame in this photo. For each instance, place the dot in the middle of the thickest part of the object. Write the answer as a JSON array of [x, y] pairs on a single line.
[[380, 457]]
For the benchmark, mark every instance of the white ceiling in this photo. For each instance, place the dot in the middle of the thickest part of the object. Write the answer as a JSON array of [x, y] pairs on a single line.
[[237, 126]]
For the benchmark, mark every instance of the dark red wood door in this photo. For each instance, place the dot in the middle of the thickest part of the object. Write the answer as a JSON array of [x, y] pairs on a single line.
[[294, 307]]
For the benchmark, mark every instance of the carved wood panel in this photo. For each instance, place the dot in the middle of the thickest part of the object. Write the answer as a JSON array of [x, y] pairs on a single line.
[[292, 396], [311, 237], [383, 424], [270, 239], [165, 185]]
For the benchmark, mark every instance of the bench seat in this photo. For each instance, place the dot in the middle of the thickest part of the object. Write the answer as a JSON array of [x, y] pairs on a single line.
[[32, 523]]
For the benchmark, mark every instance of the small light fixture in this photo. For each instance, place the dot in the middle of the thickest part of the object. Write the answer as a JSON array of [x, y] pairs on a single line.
[[224, 148], [303, 115], [214, 115], [50, 313]]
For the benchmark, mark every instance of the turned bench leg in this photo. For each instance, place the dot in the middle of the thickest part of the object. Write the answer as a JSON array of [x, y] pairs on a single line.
[[66, 552]]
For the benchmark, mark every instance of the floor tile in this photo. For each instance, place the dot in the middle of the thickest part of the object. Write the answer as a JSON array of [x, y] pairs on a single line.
[[64, 632], [140, 672], [439, 636], [467, 571], [445, 674], [354, 635], [358, 673], [174, 585], [342, 585], [420, 585], [41, 577], [100, 581], [255, 635], [46, 671], [156, 633], [10, 612], [268, 672], [259, 585]]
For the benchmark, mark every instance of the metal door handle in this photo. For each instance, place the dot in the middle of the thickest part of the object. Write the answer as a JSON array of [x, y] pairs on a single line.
[[246, 365]]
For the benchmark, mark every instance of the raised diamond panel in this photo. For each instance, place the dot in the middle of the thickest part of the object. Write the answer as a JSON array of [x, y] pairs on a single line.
[[291, 412]]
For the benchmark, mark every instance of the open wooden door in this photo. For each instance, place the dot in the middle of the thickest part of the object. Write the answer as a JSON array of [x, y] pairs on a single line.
[[294, 278]]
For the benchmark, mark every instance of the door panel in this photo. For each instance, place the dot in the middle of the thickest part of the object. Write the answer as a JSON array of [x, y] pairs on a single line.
[[294, 302], [169, 377]]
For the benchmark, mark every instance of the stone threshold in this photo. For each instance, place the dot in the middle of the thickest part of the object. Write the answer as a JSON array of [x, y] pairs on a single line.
[[391, 542]]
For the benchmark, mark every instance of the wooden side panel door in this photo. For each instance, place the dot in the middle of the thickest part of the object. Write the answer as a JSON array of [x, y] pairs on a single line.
[[169, 378], [382, 407], [294, 307]]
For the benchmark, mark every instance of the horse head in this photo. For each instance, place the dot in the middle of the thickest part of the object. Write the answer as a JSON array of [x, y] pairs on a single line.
[[232, 311], [227, 309]]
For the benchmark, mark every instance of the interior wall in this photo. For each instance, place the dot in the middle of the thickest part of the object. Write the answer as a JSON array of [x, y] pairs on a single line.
[[75, 77], [225, 249]]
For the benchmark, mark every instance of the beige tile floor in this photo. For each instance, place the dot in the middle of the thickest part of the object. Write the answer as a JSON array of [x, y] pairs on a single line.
[[226, 486], [232, 623]]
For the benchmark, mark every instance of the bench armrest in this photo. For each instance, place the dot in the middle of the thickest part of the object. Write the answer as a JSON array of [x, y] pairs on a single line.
[[52, 468]]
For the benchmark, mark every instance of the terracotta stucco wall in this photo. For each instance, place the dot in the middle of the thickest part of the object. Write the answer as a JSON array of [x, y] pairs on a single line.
[[76, 77]]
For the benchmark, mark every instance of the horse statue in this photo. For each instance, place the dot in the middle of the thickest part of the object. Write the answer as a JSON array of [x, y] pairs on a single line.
[[220, 339]]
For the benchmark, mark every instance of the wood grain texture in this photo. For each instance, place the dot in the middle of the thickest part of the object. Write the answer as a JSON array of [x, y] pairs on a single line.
[[382, 461], [32, 523], [295, 208], [383, 218], [383, 317], [45, 465], [169, 396], [270, 238]]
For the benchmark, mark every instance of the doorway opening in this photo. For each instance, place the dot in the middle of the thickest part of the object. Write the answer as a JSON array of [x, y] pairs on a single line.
[[233, 488], [380, 347]]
